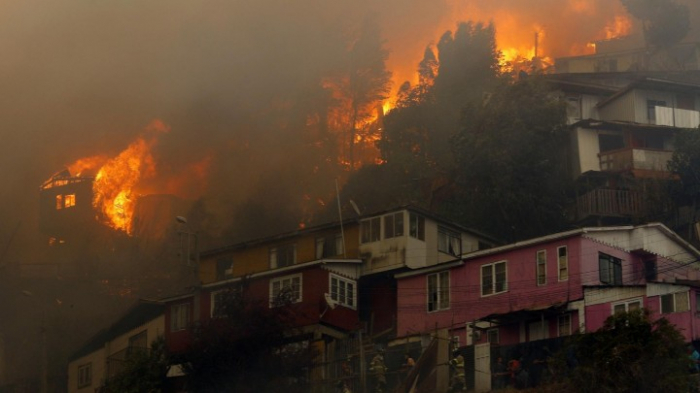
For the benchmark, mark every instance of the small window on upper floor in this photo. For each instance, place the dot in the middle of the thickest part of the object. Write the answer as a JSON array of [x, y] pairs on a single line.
[[541, 260], [563, 263], [68, 200], [329, 246], [393, 225], [370, 230], [651, 109], [283, 255], [449, 241], [416, 226], [626, 306], [343, 290], [59, 202], [610, 269], [224, 268], [285, 289], [494, 278], [438, 291]]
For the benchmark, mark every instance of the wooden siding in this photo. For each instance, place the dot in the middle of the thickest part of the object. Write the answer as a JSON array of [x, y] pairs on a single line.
[[610, 203]]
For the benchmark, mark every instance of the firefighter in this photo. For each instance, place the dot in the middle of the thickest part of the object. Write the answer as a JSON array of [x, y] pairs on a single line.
[[378, 370], [457, 365]]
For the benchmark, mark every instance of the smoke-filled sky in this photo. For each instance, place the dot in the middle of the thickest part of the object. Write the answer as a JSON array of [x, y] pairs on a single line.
[[85, 77]]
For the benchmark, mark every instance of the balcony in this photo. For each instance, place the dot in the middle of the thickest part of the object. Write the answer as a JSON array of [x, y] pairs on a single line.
[[637, 160], [674, 117], [610, 203]]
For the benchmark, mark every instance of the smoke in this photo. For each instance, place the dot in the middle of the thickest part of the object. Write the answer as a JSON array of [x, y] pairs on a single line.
[[228, 77]]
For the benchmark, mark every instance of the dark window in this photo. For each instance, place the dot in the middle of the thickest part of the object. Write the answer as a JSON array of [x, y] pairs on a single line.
[[282, 256], [651, 109], [610, 269], [329, 246], [607, 142], [650, 271], [224, 268]]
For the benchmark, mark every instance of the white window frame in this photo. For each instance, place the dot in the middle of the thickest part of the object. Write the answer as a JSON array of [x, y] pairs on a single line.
[[180, 316], [393, 225], [676, 296], [370, 230], [494, 282], [541, 263], [627, 303], [345, 291], [84, 375], [274, 255], [285, 282], [565, 320], [563, 266], [449, 240], [442, 295], [416, 226]]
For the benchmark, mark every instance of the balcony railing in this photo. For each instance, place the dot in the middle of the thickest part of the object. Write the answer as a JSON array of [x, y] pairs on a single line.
[[635, 159], [675, 117], [610, 203]]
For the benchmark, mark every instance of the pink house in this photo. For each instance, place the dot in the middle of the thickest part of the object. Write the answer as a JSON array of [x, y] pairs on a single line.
[[553, 286]]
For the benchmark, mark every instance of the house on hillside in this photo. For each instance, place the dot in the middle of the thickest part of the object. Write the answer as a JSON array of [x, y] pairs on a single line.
[[622, 128], [103, 356], [551, 287], [340, 276]]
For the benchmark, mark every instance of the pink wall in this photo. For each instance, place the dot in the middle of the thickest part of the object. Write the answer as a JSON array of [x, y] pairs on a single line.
[[466, 302]]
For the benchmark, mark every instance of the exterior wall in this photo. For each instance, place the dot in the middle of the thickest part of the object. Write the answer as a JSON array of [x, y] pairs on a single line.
[[624, 109], [97, 361], [256, 259], [632, 269], [599, 303], [466, 302], [154, 329], [586, 150]]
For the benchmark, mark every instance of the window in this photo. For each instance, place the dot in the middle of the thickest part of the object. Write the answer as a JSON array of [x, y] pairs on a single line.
[[84, 375], [217, 299], [224, 268], [541, 267], [650, 269], [343, 291], [370, 230], [439, 291], [393, 225], [285, 288], [329, 246], [59, 202], [674, 302], [69, 200], [563, 263], [610, 269], [180, 316], [492, 336], [449, 241], [139, 340], [493, 278], [284, 255], [416, 226], [651, 109], [573, 107], [564, 324], [627, 306]]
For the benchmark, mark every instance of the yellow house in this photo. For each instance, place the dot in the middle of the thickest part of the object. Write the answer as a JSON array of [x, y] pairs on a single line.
[[102, 356]]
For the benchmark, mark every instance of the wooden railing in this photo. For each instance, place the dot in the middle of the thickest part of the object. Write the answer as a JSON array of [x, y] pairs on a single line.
[[630, 159], [610, 202]]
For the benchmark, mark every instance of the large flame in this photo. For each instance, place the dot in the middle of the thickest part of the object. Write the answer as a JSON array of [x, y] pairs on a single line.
[[115, 184]]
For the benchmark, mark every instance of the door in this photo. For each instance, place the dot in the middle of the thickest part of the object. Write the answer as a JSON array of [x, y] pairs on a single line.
[[482, 367]]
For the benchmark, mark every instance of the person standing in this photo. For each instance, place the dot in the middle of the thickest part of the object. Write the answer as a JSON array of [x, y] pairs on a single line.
[[457, 365], [500, 374], [378, 370]]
